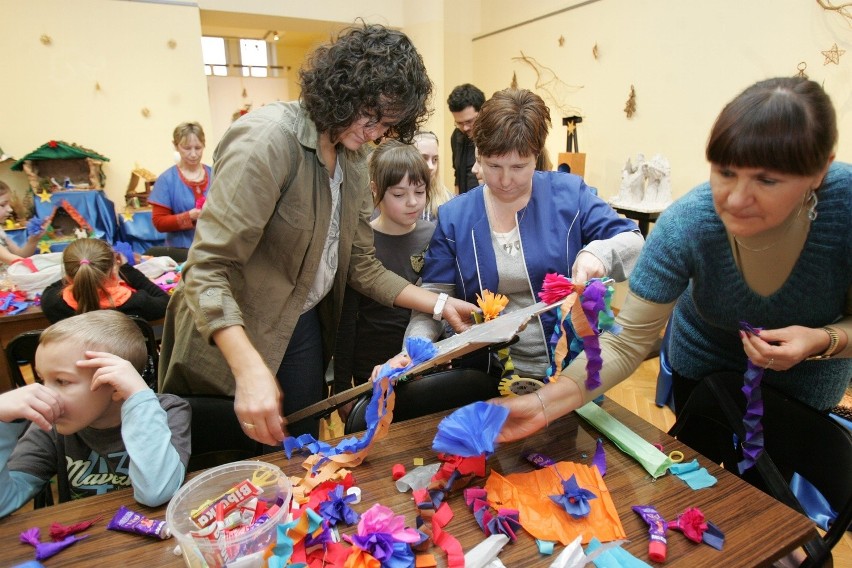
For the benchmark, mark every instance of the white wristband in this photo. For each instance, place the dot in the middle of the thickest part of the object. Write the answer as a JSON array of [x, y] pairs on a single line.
[[438, 311]]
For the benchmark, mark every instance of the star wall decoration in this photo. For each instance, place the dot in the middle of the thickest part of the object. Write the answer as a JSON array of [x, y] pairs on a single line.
[[44, 196], [833, 55], [128, 216]]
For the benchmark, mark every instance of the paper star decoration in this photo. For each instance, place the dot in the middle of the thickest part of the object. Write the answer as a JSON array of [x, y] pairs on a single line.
[[833, 55], [128, 216], [44, 196], [43, 247]]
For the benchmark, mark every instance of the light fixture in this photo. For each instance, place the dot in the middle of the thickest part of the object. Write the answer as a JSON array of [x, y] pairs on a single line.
[[274, 34]]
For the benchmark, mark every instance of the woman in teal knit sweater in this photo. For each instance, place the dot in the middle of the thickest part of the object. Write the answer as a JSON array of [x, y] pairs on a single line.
[[768, 241]]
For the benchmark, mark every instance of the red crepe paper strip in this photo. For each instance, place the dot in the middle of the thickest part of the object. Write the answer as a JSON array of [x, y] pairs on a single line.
[[691, 523], [752, 446], [59, 531]]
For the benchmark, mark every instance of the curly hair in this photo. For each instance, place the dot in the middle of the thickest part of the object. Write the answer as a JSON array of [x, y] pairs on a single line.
[[369, 71], [464, 96], [512, 120], [785, 124]]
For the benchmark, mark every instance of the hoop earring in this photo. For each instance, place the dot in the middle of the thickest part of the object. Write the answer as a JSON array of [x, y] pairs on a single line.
[[812, 202]]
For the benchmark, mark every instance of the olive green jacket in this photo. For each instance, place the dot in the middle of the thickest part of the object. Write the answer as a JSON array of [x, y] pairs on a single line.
[[258, 244]]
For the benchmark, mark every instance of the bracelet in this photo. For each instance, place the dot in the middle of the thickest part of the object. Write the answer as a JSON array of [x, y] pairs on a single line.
[[833, 341], [438, 310], [543, 412]]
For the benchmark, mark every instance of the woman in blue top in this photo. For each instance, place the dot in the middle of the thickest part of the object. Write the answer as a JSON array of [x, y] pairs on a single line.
[[768, 241], [180, 191], [506, 235]]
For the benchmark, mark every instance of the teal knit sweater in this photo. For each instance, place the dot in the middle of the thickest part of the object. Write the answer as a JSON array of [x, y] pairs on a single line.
[[688, 258]]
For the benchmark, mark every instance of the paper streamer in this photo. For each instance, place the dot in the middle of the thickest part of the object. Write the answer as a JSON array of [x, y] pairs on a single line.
[[653, 460]]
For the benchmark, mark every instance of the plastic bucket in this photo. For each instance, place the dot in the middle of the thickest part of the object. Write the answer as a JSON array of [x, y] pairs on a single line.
[[244, 549]]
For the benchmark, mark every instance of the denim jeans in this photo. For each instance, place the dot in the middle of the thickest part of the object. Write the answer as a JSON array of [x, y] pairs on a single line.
[[301, 375]]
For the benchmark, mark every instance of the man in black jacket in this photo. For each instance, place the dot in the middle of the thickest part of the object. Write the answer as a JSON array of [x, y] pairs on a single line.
[[464, 102]]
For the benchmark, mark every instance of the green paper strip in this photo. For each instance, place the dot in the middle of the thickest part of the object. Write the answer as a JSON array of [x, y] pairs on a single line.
[[653, 460]]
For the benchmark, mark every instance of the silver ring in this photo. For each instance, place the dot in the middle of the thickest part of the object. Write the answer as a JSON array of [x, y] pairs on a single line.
[[249, 425], [771, 360]]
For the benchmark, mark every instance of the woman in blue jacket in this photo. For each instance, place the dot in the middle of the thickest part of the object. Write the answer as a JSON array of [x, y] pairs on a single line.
[[507, 234]]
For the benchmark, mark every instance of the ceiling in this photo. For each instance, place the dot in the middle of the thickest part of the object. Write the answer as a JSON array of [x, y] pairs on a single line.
[[293, 31]]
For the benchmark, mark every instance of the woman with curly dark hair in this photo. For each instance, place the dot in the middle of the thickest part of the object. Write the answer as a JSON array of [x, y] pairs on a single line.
[[286, 226]]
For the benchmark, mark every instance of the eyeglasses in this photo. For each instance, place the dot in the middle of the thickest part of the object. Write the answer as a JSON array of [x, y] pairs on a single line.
[[465, 124]]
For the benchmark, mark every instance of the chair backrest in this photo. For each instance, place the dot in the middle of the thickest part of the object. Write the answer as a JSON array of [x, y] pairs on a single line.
[[797, 438], [20, 352], [438, 391], [217, 437], [149, 373]]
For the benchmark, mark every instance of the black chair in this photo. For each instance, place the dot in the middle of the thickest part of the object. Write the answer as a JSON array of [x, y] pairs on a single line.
[[797, 438], [20, 352], [149, 373], [177, 254], [217, 437], [438, 391]]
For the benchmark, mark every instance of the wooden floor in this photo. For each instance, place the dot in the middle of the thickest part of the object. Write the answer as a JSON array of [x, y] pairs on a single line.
[[637, 395]]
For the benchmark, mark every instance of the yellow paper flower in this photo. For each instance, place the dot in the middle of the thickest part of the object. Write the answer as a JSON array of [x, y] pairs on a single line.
[[492, 305]]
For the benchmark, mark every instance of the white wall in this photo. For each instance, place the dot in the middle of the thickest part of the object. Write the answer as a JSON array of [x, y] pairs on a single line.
[[226, 98], [388, 12], [686, 59], [49, 91]]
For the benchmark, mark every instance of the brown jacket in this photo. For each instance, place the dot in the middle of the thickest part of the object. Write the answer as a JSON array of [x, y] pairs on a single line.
[[258, 244]]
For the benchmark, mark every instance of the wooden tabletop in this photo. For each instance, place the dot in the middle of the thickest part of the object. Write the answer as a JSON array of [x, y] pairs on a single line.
[[757, 528]]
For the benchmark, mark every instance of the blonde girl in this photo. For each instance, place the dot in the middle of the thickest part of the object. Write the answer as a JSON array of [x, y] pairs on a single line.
[[426, 143]]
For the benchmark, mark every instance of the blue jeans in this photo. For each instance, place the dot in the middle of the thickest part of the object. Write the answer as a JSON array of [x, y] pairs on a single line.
[[301, 375]]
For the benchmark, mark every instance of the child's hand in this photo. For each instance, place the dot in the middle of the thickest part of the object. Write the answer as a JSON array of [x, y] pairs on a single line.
[[113, 371], [34, 402]]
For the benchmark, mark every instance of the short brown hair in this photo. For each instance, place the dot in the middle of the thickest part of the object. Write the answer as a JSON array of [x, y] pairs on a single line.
[[786, 124], [512, 120], [391, 161], [102, 330], [187, 129]]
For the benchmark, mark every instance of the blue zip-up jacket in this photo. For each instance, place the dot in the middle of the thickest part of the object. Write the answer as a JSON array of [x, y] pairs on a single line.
[[562, 216]]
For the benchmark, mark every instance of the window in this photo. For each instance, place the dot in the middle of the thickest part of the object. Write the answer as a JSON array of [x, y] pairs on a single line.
[[254, 56], [213, 53]]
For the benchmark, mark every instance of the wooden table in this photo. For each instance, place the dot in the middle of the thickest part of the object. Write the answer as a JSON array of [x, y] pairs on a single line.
[[10, 326], [757, 528]]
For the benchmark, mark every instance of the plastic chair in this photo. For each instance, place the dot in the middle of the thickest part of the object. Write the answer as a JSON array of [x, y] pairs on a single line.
[[431, 393], [797, 438], [217, 437]]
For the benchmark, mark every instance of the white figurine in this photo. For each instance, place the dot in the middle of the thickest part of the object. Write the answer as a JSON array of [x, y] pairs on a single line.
[[645, 186], [80, 233]]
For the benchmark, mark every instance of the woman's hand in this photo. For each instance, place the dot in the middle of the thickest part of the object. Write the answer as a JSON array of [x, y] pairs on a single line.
[[587, 266], [782, 348], [458, 314], [257, 403], [525, 417], [396, 362]]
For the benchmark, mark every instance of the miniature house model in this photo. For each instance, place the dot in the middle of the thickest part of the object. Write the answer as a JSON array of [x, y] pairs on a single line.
[[57, 166], [65, 223]]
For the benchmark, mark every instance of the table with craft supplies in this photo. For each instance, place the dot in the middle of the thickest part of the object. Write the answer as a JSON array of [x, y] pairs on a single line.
[[757, 529]]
